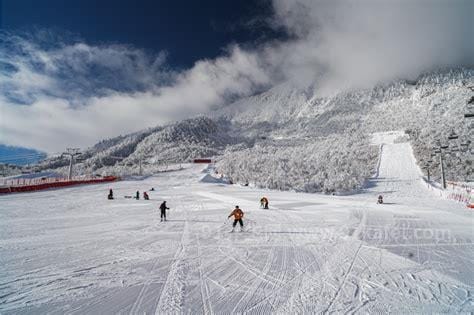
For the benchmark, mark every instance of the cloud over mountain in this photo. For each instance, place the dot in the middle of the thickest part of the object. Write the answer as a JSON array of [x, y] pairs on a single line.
[[76, 94], [57, 92], [360, 43]]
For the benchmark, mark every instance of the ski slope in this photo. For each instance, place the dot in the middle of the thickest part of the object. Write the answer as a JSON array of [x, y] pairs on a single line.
[[73, 251]]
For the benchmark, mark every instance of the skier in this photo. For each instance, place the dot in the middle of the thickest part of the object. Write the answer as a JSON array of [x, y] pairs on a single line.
[[380, 199], [264, 202], [111, 195], [145, 196], [238, 215], [137, 195], [152, 189], [163, 209]]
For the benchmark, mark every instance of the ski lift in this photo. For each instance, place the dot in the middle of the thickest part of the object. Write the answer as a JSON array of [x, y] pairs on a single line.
[[444, 146], [430, 161], [437, 151], [469, 115]]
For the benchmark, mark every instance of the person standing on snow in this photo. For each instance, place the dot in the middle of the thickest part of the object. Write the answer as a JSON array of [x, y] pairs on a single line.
[[238, 214], [137, 195], [380, 199], [163, 209], [145, 196], [264, 202], [111, 195]]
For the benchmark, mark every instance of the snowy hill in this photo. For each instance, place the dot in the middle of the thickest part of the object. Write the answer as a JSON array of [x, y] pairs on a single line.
[[429, 108], [192, 138], [436, 99], [179, 142], [78, 252], [307, 254], [295, 138]]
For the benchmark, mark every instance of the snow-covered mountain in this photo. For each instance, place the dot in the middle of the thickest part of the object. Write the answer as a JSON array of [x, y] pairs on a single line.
[[294, 138], [429, 108]]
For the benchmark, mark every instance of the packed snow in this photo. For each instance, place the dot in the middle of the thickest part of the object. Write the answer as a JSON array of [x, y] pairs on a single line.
[[74, 251]]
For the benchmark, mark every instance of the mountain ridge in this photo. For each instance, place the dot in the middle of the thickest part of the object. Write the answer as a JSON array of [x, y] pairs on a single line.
[[285, 119]]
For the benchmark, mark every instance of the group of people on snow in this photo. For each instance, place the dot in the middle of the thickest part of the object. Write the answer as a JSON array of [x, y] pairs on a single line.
[[110, 196], [237, 213], [163, 206]]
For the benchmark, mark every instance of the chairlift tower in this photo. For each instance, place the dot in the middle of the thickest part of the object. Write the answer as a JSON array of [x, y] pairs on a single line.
[[72, 153], [439, 149], [427, 167]]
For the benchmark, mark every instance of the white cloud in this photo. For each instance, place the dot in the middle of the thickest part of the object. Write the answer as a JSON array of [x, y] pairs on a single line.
[[52, 123], [363, 42], [76, 94]]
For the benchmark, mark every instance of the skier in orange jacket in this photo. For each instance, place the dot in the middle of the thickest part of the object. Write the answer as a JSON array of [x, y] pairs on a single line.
[[238, 214]]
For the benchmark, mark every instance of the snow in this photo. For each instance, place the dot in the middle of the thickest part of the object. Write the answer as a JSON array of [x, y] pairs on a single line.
[[389, 137], [208, 178], [332, 165], [74, 251]]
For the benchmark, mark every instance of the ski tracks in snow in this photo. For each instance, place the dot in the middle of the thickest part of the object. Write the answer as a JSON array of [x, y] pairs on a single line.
[[139, 300], [347, 273], [205, 294], [309, 254], [171, 297]]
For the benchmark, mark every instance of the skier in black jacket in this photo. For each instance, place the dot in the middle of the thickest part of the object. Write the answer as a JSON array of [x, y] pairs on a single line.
[[163, 209]]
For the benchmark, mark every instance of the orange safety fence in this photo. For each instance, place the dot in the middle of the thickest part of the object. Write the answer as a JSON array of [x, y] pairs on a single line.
[[461, 192]]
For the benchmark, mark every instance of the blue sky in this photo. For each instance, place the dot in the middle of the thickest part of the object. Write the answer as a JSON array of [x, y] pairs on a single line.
[[75, 72], [187, 30]]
